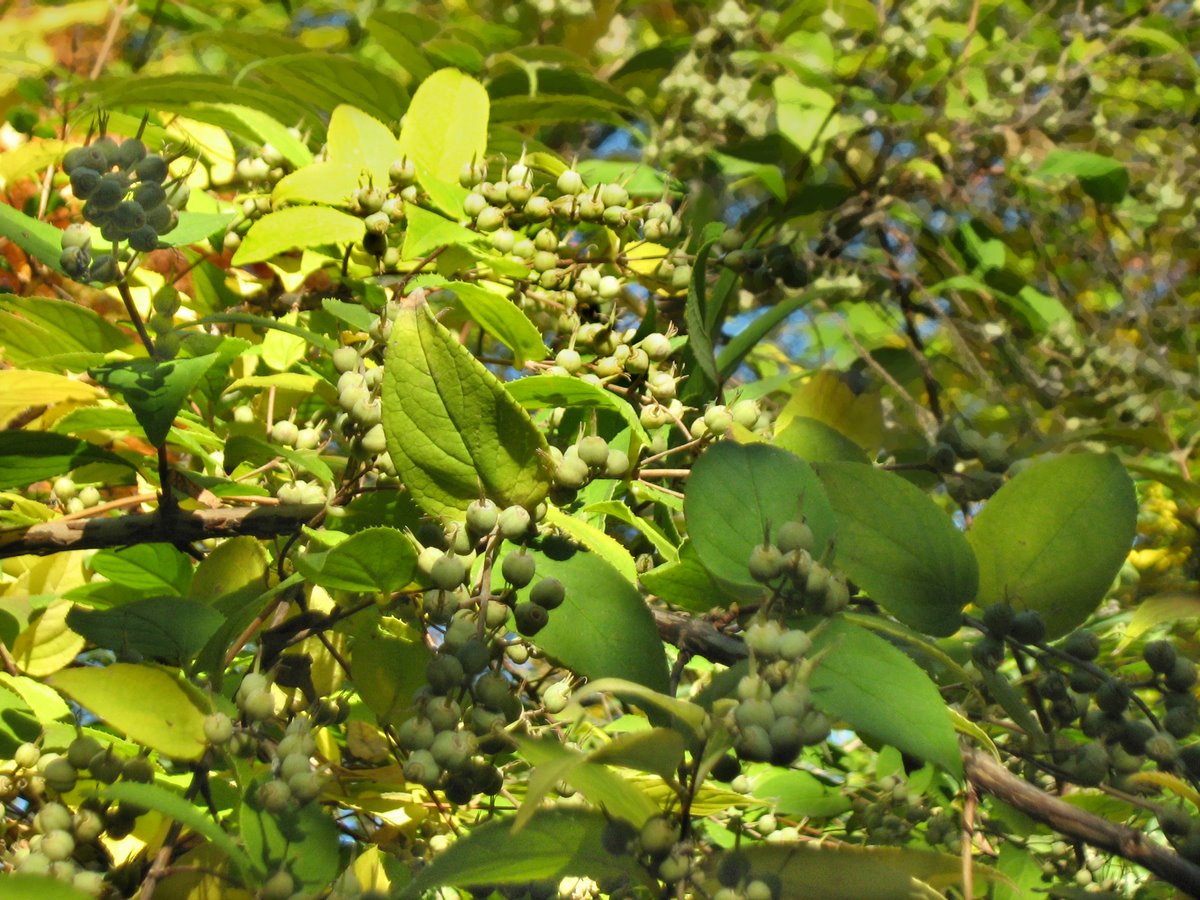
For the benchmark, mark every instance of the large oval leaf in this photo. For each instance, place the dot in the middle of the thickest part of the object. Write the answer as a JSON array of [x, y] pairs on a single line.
[[446, 124], [1054, 537], [736, 493], [604, 628], [452, 429], [894, 541], [146, 704], [865, 681], [555, 843], [297, 227]]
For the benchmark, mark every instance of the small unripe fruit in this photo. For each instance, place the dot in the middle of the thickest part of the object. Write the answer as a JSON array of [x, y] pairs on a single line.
[[58, 845], [82, 750], [766, 563], [218, 728], [549, 593], [570, 182], [1028, 627], [275, 796], [514, 523], [138, 769], [60, 775], [448, 572], [52, 817], [657, 346], [26, 756], [659, 835], [1160, 656], [571, 473], [530, 618], [444, 674], [1182, 675], [518, 569], [285, 432], [794, 536], [482, 516], [593, 450], [279, 886], [259, 705]]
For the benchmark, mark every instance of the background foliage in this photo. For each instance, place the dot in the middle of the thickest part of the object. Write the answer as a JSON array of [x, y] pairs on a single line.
[[612, 448]]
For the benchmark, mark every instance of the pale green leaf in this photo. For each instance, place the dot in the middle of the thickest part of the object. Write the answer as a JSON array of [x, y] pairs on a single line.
[[297, 227]]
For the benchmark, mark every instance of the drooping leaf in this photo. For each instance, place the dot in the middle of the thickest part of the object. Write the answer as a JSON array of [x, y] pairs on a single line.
[[737, 493], [826, 398], [47, 644], [29, 456], [876, 688], [167, 629], [297, 227], [144, 703], [542, 391], [894, 542], [154, 390], [175, 808], [375, 560], [21, 390], [603, 628], [555, 843], [39, 239], [502, 319], [452, 429], [1102, 178], [1054, 537]]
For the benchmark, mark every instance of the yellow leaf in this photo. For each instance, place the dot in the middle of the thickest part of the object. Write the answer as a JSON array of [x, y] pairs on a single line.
[[143, 702], [828, 399], [21, 389], [47, 644], [366, 741], [645, 257]]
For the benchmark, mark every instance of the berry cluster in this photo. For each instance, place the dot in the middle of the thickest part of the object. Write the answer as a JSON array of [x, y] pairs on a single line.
[[788, 567], [127, 196]]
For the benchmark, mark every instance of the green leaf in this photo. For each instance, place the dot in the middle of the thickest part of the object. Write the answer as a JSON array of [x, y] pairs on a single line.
[[621, 512], [41, 240], [554, 762], [757, 329], [167, 629], [452, 429], [355, 315], [555, 843], [446, 125], [603, 627], [803, 112], [816, 442], [40, 887], [1054, 537], [176, 809], [29, 456], [684, 714], [195, 227], [146, 567], [235, 571], [685, 583], [317, 340], [294, 228], [243, 448], [542, 391], [330, 183], [154, 390], [144, 703], [700, 342], [658, 751], [305, 841], [877, 689], [427, 231], [736, 494], [70, 325], [362, 142], [1102, 178], [375, 560], [502, 319], [388, 671], [596, 540], [797, 793], [845, 872], [893, 541]]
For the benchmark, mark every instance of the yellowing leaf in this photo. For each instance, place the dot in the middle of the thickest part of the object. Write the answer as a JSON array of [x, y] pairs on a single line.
[[363, 143], [21, 389], [445, 127], [826, 398], [645, 257], [47, 645], [295, 228], [145, 703]]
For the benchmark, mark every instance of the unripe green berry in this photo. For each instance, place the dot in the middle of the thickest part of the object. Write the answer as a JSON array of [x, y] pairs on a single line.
[[258, 705], [530, 618], [518, 569], [448, 572], [766, 563], [659, 835], [218, 728], [548, 593], [593, 450], [514, 523]]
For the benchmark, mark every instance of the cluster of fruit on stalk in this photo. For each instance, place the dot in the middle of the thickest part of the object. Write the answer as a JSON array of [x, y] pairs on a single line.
[[128, 195], [1143, 717]]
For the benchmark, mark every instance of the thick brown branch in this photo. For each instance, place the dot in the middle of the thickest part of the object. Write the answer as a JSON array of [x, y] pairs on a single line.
[[179, 527], [699, 638], [989, 775]]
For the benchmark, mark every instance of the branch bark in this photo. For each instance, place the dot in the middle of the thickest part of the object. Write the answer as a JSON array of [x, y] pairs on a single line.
[[699, 637], [179, 526], [988, 775]]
